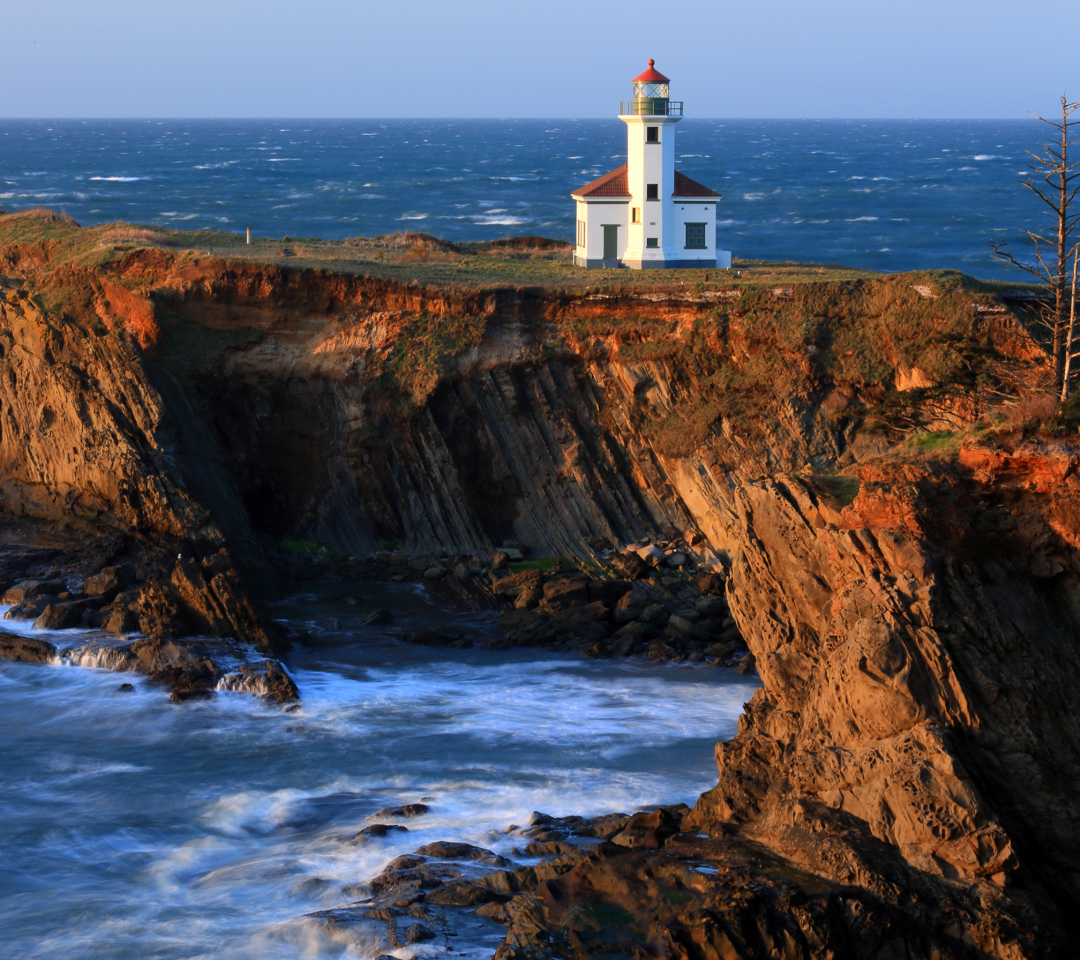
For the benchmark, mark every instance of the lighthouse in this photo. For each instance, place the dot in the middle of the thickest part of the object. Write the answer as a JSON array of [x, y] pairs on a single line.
[[646, 214]]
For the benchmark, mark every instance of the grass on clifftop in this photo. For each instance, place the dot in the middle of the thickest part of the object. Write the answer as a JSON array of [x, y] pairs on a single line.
[[404, 257]]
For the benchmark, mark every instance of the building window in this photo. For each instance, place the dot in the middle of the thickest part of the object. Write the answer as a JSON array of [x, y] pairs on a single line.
[[652, 134], [695, 236], [652, 191], [652, 242], [635, 214], [581, 233]]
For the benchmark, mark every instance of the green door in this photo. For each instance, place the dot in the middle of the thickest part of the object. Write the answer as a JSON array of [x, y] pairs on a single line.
[[611, 241]]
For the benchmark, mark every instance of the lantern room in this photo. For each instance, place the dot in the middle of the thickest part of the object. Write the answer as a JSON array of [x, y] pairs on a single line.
[[651, 96]]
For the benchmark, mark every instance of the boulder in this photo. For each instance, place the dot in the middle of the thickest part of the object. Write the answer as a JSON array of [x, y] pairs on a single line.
[[651, 555], [499, 560], [566, 592], [629, 565], [26, 649], [712, 607], [434, 572], [530, 596], [529, 628], [405, 810], [59, 616], [676, 560], [121, 621], [109, 580], [631, 606], [378, 830], [31, 589], [608, 591], [654, 613], [512, 585]]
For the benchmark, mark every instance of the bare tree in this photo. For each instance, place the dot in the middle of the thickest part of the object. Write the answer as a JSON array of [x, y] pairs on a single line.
[[1070, 337], [1055, 181]]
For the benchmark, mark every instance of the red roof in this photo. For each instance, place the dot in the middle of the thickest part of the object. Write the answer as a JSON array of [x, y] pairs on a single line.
[[611, 184], [685, 187], [651, 76]]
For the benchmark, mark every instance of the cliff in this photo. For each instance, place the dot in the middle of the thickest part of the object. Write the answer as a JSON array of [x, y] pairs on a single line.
[[900, 543]]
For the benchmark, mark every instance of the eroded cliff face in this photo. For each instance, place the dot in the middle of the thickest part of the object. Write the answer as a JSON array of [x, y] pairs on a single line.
[[913, 616]]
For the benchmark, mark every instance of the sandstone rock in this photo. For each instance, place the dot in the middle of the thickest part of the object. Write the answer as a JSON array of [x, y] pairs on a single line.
[[378, 830], [121, 621], [629, 565], [109, 580], [631, 606], [499, 560], [676, 560], [32, 589], [651, 555], [59, 616], [512, 585], [447, 850], [530, 596], [528, 628], [654, 613], [648, 830], [26, 649], [711, 607], [566, 592]]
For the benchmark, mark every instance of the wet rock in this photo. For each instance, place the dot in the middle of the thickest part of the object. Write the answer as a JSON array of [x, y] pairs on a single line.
[[463, 893], [265, 678], [595, 612], [376, 618], [631, 636], [449, 850], [446, 635], [419, 933], [405, 810], [435, 572], [30, 609], [378, 830], [121, 621], [26, 649], [59, 616], [126, 688], [31, 589], [746, 665], [529, 628]]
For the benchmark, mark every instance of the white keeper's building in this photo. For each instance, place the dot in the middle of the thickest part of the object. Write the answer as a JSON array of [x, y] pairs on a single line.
[[647, 214]]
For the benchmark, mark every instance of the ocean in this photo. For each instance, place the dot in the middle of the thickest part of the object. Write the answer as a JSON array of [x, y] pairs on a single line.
[[878, 194]]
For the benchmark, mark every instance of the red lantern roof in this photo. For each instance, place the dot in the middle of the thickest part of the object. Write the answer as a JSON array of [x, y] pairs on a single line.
[[651, 76]]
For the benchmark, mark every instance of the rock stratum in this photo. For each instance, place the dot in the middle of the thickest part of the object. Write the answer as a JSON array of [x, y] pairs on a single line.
[[898, 534]]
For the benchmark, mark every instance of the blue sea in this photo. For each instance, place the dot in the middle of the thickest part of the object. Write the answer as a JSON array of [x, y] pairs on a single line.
[[880, 194]]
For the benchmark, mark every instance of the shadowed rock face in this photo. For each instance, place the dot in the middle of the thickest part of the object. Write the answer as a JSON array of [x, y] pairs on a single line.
[[913, 750]]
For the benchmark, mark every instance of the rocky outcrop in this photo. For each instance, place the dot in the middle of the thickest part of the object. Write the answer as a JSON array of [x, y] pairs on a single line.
[[907, 777]]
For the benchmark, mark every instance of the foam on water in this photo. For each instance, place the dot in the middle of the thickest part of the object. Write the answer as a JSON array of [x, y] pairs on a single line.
[[136, 827]]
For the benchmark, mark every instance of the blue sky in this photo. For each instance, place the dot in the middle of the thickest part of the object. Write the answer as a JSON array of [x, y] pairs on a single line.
[[550, 58]]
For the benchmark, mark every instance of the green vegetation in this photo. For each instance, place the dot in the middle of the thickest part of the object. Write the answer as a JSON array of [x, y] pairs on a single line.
[[426, 349], [309, 548]]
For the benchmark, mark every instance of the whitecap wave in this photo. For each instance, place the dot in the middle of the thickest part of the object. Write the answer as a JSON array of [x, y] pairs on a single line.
[[120, 179]]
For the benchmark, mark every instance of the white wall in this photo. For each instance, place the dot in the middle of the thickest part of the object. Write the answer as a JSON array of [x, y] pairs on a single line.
[[694, 212], [596, 213]]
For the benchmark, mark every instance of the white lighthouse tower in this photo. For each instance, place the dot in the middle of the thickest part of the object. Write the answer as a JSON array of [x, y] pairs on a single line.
[[646, 214]]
